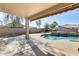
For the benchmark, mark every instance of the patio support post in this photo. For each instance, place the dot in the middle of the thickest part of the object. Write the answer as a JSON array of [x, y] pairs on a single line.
[[27, 28]]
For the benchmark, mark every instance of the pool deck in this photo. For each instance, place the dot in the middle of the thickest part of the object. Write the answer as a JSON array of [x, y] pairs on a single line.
[[67, 47]]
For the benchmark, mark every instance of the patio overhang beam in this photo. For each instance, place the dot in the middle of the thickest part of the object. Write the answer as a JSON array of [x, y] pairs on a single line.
[[54, 10]]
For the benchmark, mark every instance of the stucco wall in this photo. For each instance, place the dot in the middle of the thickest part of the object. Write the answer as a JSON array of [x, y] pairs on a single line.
[[16, 31], [11, 31]]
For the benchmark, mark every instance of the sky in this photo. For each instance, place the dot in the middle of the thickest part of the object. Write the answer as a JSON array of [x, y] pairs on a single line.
[[69, 17]]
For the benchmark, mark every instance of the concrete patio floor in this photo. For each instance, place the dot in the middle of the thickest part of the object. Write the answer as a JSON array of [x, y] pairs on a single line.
[[37, 46], [15, 46], [19, 46]]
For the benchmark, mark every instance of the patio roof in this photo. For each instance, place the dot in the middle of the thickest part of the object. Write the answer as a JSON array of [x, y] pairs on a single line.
[[35, 11]]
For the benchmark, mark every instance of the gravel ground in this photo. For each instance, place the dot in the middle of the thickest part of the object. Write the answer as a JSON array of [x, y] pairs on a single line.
[[15, 46]]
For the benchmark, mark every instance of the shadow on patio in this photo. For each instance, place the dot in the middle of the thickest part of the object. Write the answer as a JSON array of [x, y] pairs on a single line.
[[36, 49]]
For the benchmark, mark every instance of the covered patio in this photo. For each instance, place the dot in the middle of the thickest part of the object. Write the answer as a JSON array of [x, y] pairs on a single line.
[[35, 11]]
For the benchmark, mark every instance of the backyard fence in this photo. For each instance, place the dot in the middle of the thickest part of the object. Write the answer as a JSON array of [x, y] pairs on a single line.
[[16, 31], [11, 31]]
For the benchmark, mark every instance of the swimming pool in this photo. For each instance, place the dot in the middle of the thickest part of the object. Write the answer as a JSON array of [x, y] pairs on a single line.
[[50, 37]]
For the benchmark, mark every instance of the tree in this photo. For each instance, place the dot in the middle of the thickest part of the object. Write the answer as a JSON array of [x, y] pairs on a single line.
[[53, 25], [46, 27], [13, 21], [1, 22], [6, 18], [38, 23], [17, 22]]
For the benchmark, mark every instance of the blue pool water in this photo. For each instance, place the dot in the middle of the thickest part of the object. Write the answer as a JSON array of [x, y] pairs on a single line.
[[49, 37]]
